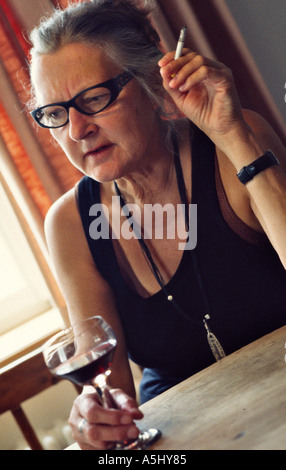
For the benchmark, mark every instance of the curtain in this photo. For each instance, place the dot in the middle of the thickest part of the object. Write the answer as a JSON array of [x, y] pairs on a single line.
[[44, 169], [33, 171]]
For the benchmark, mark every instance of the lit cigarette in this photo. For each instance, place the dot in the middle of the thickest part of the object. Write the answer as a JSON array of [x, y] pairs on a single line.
[[180, 45], [181, 42]]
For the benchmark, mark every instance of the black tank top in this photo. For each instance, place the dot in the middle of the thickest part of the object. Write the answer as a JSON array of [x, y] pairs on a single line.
[[244, 280]]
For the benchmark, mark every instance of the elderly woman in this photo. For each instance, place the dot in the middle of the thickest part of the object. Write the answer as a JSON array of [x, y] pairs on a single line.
[[153, 130]]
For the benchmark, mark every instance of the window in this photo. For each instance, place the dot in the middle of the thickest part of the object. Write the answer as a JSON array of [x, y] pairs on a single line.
[[23, 291]]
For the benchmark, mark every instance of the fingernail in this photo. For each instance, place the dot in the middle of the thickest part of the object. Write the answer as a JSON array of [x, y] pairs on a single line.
[[132, 433], [135, 411], [162, 62]]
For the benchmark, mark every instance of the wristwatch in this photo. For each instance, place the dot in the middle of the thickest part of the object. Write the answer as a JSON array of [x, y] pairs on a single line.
[[248, 172]]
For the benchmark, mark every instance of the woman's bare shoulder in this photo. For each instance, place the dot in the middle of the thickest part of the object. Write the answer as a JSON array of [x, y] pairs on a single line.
[[63, 212], [65, 234], [70, 255]]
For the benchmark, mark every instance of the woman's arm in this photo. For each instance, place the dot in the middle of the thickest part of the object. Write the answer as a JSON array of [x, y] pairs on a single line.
[[204, 91], [87, 294], [266, 192]]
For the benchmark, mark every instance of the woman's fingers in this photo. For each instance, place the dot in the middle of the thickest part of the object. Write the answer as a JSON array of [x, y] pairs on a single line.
[[101, 436], [189, 70], [203, 90], [126, 403], [97, 427], [88, 407], [102, 433]]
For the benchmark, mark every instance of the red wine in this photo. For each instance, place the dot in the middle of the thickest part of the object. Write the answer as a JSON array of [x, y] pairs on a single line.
[[82, 369]]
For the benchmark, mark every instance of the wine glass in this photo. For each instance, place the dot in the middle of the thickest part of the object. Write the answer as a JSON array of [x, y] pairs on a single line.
[[83, 354]]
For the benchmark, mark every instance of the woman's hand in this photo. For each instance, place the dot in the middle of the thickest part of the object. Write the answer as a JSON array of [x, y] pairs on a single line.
[[204, 91], [103, 426]]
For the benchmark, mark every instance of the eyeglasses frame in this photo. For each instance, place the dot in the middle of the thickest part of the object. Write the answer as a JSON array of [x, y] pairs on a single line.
[[114, 85]]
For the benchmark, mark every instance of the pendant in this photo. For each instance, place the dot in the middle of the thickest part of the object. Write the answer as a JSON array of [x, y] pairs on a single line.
[[214, 343]]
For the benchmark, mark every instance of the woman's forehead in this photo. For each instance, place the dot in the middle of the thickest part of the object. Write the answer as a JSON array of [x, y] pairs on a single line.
[[60, 75]]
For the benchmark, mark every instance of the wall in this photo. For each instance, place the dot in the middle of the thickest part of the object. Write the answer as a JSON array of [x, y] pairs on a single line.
[[263, 26]]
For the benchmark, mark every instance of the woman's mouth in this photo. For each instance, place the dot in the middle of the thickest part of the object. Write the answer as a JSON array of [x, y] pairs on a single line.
[[99, 151]]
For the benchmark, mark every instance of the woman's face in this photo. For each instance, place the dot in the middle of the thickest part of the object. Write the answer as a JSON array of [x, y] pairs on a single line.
[[105, 146]]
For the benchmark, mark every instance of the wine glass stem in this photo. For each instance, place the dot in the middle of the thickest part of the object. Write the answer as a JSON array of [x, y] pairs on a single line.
[[103, 392], [100, 394]]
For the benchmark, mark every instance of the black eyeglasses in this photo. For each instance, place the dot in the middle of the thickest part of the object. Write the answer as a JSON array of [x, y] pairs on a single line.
[[93, 100]]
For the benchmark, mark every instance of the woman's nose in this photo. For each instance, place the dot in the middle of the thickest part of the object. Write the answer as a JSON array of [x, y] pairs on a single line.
[[80, 125]]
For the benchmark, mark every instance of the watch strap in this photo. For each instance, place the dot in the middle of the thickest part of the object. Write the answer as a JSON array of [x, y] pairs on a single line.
[[248, 172]]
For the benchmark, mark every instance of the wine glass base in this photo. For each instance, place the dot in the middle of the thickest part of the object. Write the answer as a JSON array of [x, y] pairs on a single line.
[[144, 440]]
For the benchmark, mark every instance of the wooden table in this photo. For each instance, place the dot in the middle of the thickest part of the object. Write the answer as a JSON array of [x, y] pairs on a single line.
[[238, 403]]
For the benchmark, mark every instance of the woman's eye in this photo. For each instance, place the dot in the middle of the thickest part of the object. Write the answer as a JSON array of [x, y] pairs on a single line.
[[94, 100], [55, 113]]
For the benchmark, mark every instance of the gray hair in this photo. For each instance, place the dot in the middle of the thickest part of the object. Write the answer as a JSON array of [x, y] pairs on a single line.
[[119, 27]]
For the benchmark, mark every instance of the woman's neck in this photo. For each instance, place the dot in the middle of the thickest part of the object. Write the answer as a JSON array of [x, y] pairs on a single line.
[[154, 180], [149, 182]]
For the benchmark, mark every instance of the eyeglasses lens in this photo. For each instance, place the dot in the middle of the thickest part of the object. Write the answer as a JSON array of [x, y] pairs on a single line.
[[94, 100], [89, 102], [52, 116]]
